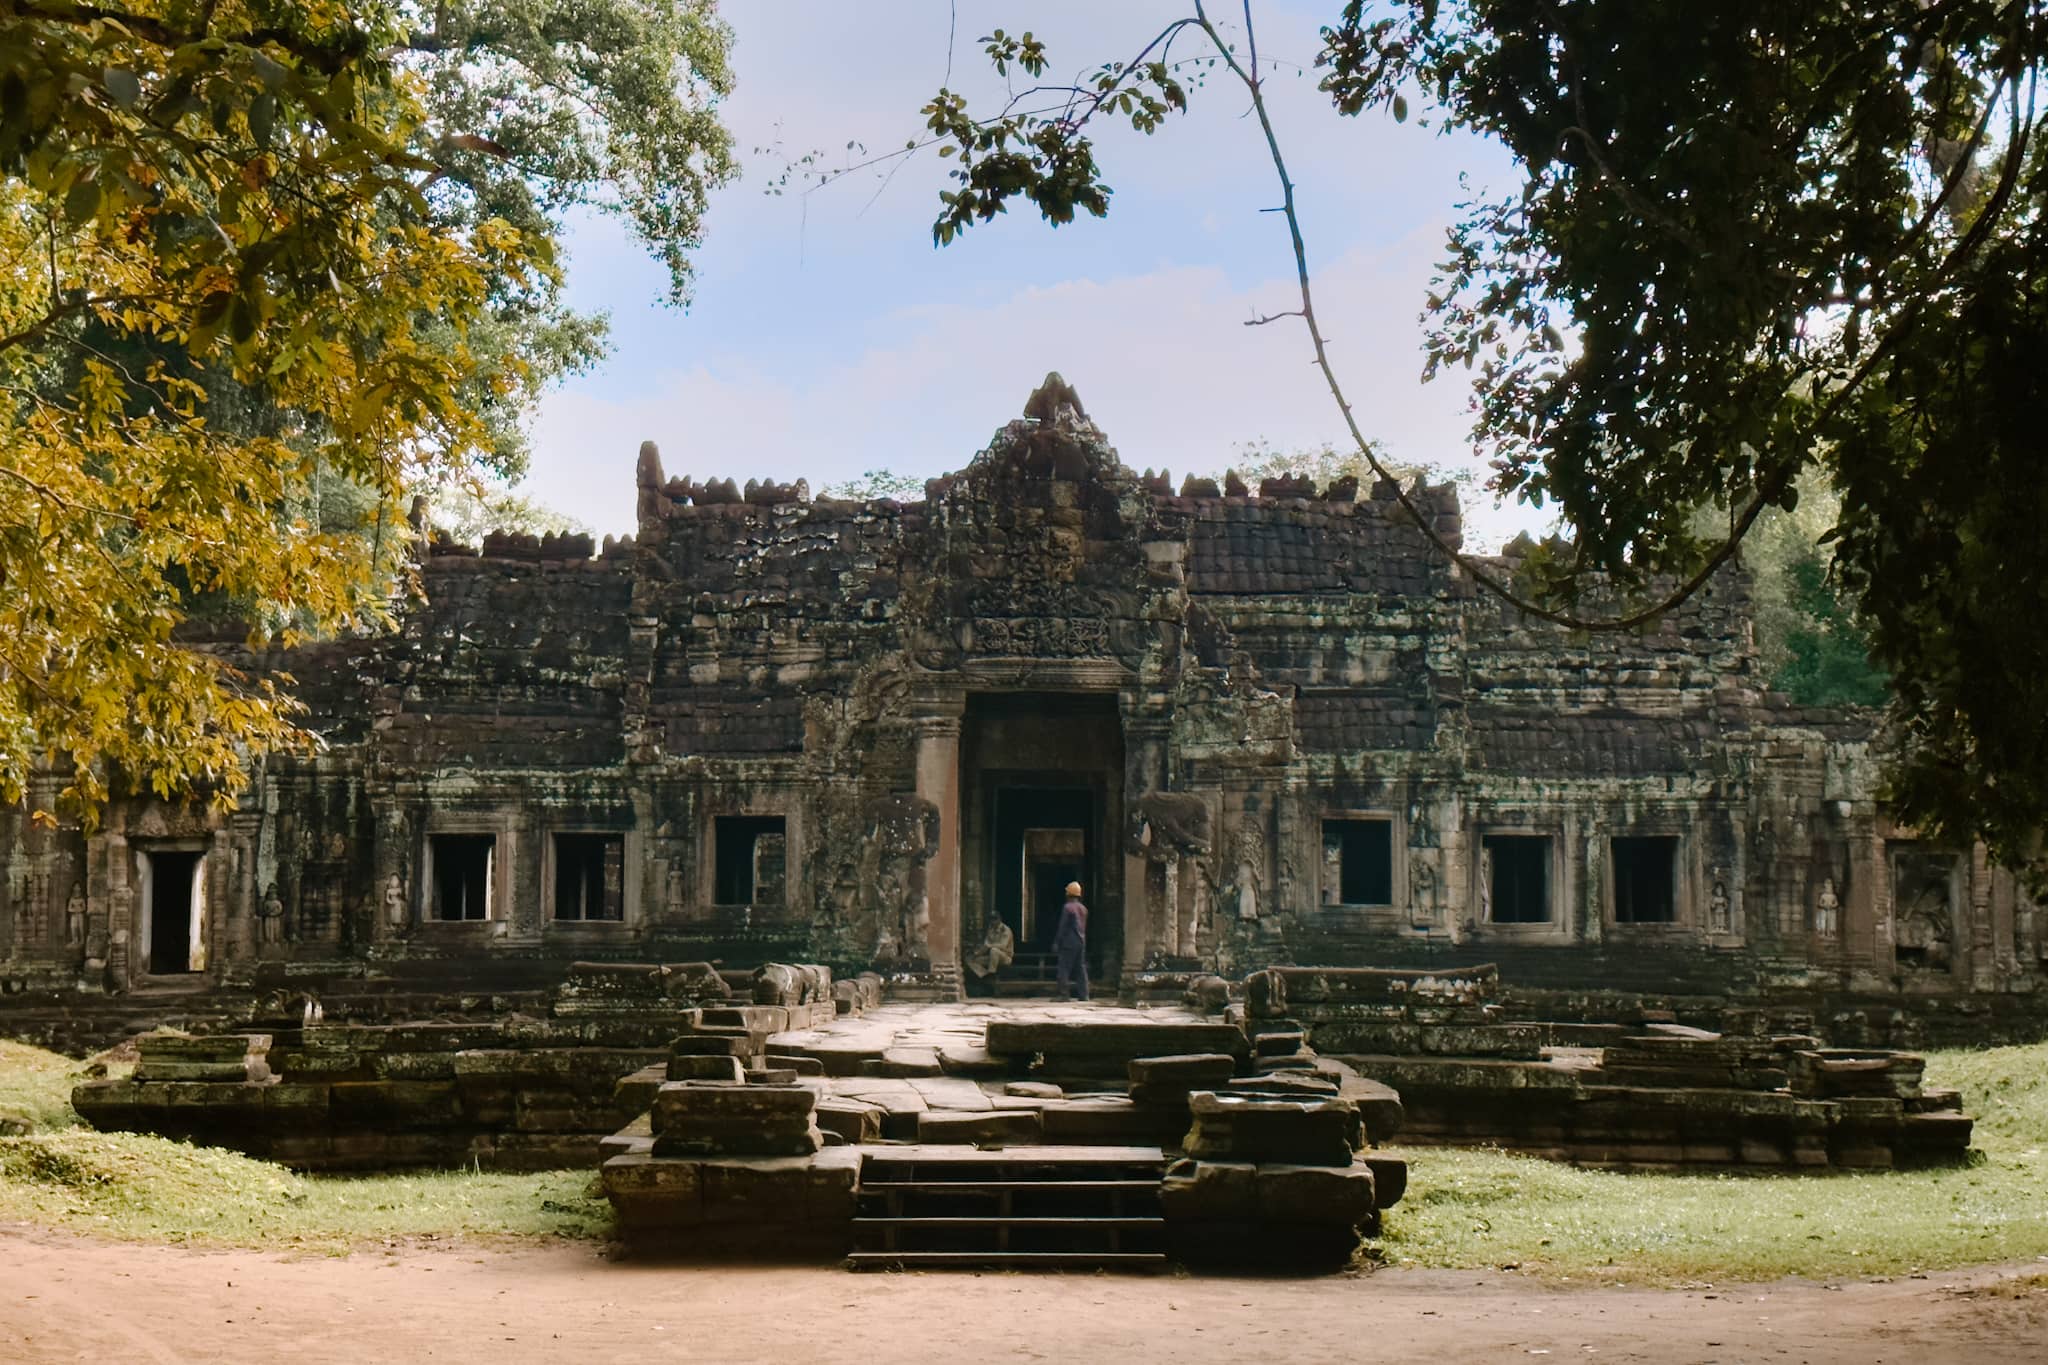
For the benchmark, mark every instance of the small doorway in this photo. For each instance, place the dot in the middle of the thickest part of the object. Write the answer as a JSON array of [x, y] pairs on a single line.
[[1046, 834], [175, 901], [1052, 858]]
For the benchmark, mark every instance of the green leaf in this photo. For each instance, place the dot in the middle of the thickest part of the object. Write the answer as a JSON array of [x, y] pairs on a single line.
[[84, 200], [121, 86]]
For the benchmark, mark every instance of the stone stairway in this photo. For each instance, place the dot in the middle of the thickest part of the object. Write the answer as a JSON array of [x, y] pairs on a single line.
[[1029, 975], [1049, 1208]]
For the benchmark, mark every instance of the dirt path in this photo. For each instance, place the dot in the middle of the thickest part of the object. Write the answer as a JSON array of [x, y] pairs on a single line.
[[64, 1298]]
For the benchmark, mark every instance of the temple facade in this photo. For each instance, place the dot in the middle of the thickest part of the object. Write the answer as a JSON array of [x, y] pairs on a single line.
[[1259, 726]]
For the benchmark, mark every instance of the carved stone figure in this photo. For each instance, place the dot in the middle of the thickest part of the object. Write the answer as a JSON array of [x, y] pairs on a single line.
[[1169, 824], [1424, 908], [1827, 909], [1924, 921], [397, 914], [673, 894], [270, 918], [1720, 911], [18, 939], [74, 918], [902, 833], [1248, 870]]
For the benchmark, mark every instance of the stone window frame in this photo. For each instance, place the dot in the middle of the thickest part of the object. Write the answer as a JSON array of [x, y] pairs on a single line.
[[504, 854], [786, 810], [142, 879], [1398, 911], [1555, 930], [631, 854], [1686, 918], [1888, 914]]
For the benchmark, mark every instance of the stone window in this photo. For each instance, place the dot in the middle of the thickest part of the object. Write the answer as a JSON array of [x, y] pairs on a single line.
[[749, 858], [1517, 881], [1358, 862], [1923, 908], [590, 877], [1645, 879], [461, 867]]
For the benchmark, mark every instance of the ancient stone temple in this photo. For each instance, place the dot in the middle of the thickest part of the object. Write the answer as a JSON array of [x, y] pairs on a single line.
[[1259, 726]]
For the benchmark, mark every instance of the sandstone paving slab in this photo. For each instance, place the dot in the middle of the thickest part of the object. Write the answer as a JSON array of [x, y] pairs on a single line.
[[952, 1092]]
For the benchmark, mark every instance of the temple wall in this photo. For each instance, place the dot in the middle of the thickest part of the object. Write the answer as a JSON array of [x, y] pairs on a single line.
[[770, 727]]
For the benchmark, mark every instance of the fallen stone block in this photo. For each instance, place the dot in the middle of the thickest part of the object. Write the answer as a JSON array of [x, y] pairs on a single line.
[[994, 1126], [732, 1044], [1279, 1043], [851, 1120], [1237, 1127], [1035, 1090], [801, 1065], [1193, 1071], [907, 1062], [725, 1068], [635, 1093]]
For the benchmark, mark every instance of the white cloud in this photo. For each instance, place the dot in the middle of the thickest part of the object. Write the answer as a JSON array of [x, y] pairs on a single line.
[[1162, 359]]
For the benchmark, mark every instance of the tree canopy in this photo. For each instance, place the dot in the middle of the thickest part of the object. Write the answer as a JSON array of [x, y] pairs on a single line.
[[266, 267], [1749, 240]]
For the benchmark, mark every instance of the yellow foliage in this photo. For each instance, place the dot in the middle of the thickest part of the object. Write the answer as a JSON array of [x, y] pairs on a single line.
[[223, 186]]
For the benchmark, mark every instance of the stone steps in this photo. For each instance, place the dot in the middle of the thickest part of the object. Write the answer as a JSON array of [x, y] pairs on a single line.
[[1043, 1207], [1007, 1260]]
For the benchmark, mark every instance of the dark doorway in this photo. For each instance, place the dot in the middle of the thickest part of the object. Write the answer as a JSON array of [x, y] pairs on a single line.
[[1044, 838], [171, 878], [1041, 804]]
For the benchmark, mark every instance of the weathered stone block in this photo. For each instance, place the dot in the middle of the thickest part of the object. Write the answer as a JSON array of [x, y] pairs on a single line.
[[1315, 1194], [1258, 1128], [1008, 1126], [725, 1068], [1193, 1071], [1117, 1040], [855, 1121], [1037, 1090]]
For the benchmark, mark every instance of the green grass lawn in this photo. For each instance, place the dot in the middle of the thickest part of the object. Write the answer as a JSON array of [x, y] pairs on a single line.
[[1463, 1210], [1470, 1209], [137, 1188]]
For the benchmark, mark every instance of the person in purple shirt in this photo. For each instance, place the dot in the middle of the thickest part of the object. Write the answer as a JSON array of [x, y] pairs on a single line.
[[1070, 942]]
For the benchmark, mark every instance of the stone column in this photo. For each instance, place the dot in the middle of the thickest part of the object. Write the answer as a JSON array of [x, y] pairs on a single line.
[[938, 781]]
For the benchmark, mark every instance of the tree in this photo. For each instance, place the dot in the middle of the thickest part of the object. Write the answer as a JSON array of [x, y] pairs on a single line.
[[247, 275], [1810, 643], [878, 483], [1327, 463], [468, 513], [1750, 240]]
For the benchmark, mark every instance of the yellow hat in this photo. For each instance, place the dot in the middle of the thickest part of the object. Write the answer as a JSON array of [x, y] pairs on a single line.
[[1073, 888]]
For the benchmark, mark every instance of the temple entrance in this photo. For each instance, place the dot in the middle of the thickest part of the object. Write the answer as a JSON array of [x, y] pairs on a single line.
[[1041, 798], [1045, 836], [173, 901]]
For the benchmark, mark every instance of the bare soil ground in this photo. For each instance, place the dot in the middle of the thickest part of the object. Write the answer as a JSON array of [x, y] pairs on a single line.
[[67, 1298]]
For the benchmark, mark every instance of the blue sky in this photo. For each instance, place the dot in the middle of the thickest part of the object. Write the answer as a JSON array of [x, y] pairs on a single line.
[[828, 336]]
